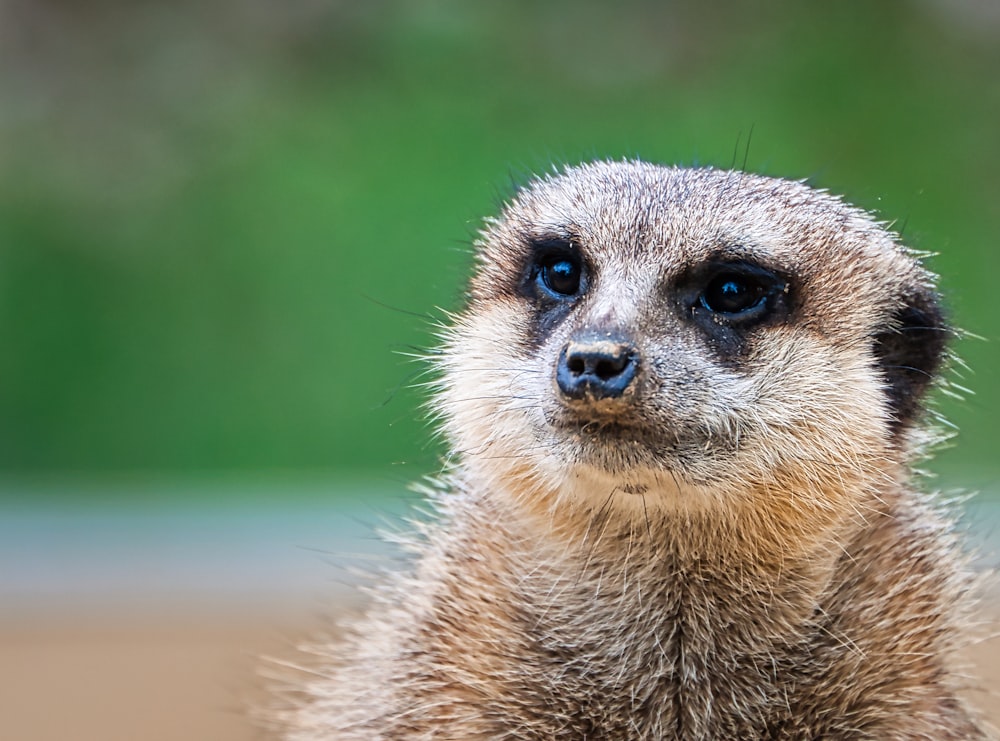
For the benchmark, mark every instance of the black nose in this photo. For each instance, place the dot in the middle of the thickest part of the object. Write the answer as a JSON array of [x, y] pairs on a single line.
[[601, 369]]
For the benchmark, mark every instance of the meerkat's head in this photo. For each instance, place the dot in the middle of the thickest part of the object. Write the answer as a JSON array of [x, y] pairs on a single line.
[[695, 336]]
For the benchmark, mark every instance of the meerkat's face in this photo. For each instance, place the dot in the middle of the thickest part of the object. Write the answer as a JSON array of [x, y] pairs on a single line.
[[694, 334]]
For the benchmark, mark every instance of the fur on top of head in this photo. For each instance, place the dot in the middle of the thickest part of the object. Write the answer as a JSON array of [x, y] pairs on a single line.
[[695, 336]]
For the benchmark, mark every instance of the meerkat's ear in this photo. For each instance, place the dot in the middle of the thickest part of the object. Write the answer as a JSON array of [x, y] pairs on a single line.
[[910, 352]]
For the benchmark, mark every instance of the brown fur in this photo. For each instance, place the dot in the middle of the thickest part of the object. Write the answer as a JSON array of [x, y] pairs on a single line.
[[733, 549]]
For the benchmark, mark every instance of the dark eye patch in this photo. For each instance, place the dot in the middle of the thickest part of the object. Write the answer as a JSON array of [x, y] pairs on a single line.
[[728, 298], [554, 277], [733, 293], [555, 271]]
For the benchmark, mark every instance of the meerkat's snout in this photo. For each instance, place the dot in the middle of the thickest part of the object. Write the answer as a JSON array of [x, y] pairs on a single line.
[[597, 368]]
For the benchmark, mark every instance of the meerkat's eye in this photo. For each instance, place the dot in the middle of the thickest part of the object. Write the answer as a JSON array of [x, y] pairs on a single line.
[[556, 269], [560, 275], [735, 293], [731, 293]]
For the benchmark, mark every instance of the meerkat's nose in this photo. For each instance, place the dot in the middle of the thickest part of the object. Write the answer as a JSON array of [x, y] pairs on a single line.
[[599, 369]]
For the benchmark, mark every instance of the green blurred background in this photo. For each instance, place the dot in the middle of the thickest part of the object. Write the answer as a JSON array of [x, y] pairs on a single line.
[[223, 225]]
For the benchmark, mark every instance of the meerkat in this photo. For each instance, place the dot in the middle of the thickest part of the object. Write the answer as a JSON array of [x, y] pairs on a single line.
[[682, 407]]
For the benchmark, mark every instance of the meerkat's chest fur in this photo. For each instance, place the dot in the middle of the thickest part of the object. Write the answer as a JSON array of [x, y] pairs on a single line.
[[626, 637], [651, 645]]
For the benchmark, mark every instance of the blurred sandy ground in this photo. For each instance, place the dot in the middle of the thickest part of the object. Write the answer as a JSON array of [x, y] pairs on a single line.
[[121, 679], [152, 624]]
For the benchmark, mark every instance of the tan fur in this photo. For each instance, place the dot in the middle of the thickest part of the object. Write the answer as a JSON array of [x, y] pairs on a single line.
[[732, 549]]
